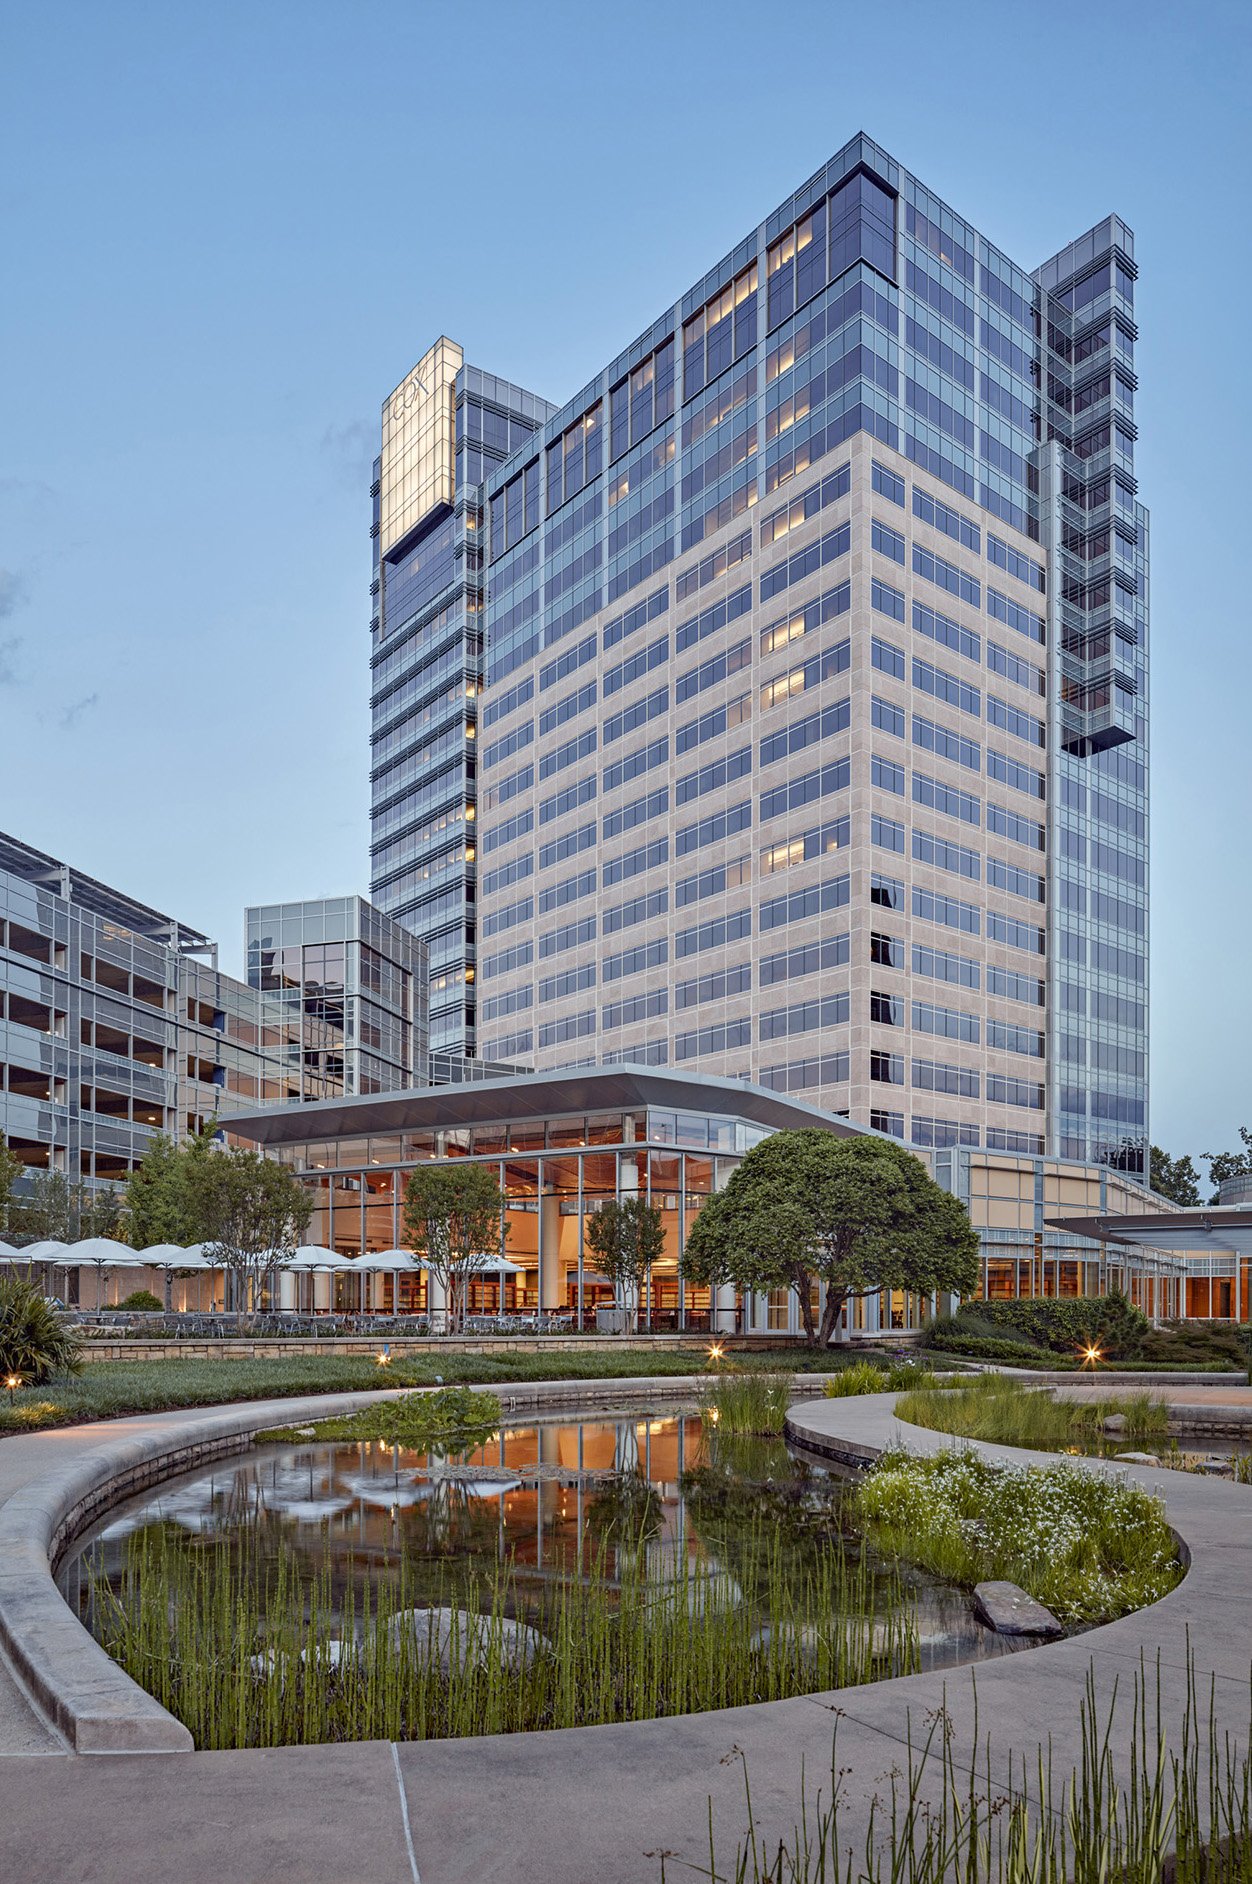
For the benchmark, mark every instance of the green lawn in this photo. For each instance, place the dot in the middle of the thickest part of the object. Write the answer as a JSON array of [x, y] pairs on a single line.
[[108, 1389]]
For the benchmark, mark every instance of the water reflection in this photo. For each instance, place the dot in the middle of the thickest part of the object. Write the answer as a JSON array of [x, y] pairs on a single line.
[[551, 1499]]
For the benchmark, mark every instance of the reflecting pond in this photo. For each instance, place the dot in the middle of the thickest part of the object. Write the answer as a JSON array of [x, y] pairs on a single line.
[[553, 1501]]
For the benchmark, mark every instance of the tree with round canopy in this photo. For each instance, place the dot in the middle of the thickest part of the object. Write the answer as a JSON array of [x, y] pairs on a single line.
[[852, 1216]]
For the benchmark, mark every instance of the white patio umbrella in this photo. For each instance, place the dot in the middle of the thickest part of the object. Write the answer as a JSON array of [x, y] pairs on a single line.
[[484, 1265], [103, 1253], [312, 1258], [104, 1249], [49, 1251], [174, 1256], [391, 1262], [171, 1256]]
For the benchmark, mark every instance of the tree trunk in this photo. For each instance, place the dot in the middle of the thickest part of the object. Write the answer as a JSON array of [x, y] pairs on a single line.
[[831, 1308], [804, 1291]]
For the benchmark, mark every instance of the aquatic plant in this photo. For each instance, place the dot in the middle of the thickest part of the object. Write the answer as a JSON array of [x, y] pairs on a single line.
[[453, 1417], [248, 1652], [1005, 1412], [747, 1403], [1088, 1545], [1140, 1807]]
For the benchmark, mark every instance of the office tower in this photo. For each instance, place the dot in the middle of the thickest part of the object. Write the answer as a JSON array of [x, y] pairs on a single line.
[[443, 428], [813, 747], [116, 1022], [353, 987]]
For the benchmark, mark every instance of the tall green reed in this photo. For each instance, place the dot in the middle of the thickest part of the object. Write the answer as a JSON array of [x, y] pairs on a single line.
[[247, 1650], [1139, 1806], [1000, 1410], [754, 1404]]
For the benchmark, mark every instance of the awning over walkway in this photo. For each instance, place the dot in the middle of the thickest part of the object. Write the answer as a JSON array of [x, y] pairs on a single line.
[[1205, 1230]]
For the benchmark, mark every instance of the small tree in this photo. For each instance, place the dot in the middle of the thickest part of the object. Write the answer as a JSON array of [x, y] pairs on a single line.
[[851, 1215], [1228, 1164], [11, 1169], [1175, 1178], [50, 1211], [162, 1198], [626, 1238], [253, 1214], [454, 1220], [55, 1210]]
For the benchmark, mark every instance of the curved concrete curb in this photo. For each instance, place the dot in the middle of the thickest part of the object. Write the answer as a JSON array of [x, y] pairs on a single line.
[[86, 1696]]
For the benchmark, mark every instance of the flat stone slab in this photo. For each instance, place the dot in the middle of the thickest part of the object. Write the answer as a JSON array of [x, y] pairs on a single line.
[[460, 1635], [1137, 1458], [1009, 1611]]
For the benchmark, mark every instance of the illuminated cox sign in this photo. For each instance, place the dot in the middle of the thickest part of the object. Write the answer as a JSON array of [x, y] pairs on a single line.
[[404, 398]]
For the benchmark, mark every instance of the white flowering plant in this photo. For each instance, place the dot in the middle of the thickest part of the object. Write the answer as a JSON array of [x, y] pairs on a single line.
[[1089, 1545]]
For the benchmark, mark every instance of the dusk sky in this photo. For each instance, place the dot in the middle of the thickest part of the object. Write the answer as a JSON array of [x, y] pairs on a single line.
[[230, 230]]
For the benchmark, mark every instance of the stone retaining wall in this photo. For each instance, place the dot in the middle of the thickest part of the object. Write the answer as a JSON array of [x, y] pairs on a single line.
[[242, 1348]]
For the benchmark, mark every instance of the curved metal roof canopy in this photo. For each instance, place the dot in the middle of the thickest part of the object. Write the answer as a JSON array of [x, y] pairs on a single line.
[[621, 1088], [1204, 1230]]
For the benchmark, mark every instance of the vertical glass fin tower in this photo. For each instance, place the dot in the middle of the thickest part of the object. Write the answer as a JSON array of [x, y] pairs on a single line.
[[443, 427], [813, 740], [1096, 534]]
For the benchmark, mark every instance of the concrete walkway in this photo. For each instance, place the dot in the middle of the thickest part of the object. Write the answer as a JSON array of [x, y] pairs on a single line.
[[600, 1803]]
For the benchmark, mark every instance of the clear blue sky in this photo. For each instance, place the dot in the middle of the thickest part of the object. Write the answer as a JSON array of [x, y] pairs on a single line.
[[229, 230]]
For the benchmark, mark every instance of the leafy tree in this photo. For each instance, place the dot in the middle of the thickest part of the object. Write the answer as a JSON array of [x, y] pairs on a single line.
[[11, 1169], [57, 1210], [49, 1211], [161, 1192], [253, 1214], [625, 1239], [851, 1215], [454, 1220], [1175, 1178], [35, 1343], [1228, 1164], [161, 1200]]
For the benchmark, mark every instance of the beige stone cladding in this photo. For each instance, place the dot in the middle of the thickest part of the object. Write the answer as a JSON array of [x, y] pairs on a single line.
[[736, 974]]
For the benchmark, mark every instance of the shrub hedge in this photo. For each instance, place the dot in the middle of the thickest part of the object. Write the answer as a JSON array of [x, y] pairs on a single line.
[[1060, 1325]]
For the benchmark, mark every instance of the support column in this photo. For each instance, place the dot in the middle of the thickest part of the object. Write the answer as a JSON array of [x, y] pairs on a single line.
[[550, 1292]]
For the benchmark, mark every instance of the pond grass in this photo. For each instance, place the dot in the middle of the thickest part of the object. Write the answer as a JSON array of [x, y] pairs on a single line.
[[869, 1377], [232, 1638], [1005, 1412], [747, 1405], [1138, 1807], [449, 1416]]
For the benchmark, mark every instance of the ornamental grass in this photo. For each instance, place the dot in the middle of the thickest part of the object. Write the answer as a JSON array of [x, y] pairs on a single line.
[[249, 1650]]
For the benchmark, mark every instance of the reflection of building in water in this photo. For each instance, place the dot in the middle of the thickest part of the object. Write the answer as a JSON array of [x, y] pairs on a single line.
[[534, 1496]]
